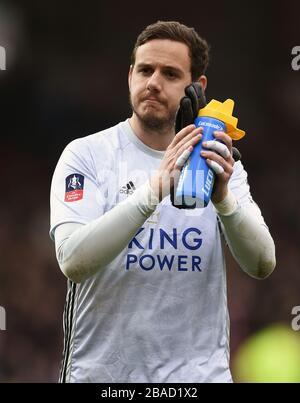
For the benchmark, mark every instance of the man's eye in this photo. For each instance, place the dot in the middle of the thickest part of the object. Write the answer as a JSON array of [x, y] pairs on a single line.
[[145, 71], [171, 74]]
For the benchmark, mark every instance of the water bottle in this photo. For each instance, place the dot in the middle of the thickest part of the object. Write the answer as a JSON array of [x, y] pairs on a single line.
[[197, 178]]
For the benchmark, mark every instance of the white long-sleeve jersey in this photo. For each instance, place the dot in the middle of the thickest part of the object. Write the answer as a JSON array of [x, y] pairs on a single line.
[[156, 310]]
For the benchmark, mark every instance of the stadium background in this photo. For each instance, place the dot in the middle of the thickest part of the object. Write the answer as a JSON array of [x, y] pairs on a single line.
[[66, 77]]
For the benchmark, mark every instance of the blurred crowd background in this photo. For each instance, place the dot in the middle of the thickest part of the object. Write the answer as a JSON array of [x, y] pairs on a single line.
[[66, 77]]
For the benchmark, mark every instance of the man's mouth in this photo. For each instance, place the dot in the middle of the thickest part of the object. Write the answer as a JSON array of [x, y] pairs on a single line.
[[152, 99]]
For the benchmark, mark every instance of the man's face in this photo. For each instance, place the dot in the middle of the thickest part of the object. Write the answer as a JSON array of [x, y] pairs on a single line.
[[157, 80]]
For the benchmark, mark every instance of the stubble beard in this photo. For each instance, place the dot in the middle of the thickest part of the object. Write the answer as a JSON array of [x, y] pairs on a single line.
[[151, 122]]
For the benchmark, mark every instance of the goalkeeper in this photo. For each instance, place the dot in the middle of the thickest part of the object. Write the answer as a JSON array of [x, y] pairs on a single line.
[[146, 295]]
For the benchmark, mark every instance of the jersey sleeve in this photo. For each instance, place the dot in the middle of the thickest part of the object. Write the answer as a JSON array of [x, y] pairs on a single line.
[[75, 194], [239, 186]]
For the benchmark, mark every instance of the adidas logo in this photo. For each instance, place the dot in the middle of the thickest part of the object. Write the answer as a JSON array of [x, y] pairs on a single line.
[[128, 189]]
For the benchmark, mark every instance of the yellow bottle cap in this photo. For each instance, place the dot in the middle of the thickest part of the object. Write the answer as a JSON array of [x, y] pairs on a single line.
[[223, 111]]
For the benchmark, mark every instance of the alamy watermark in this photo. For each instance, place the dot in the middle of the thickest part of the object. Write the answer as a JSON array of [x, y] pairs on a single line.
[[296, 319], [2, 318], [296, 58], [2, 58]]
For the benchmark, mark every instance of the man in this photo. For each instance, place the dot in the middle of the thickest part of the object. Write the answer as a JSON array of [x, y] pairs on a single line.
[[146, 281]]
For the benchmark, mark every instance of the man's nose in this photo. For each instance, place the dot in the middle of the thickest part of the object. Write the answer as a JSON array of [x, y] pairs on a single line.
[[154, 82]]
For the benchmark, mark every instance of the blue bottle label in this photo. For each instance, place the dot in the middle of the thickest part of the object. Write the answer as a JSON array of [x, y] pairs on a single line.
[[197, 179]]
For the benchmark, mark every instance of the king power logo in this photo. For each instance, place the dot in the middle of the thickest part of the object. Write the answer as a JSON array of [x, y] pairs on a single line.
[[2, 58], [2, 318]]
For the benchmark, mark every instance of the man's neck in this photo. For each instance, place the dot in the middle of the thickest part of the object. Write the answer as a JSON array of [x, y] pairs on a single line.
[[155, 139]]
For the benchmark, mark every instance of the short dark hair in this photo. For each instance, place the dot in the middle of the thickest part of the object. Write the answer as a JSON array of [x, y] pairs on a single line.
[[175, 31]]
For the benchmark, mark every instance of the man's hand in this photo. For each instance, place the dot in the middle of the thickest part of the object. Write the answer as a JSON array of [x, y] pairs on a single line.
[[219, 158], [190, 104], [175, 157]]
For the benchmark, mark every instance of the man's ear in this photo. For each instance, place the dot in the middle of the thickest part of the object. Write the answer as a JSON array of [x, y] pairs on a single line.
[[130, 75], [203, 81]]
